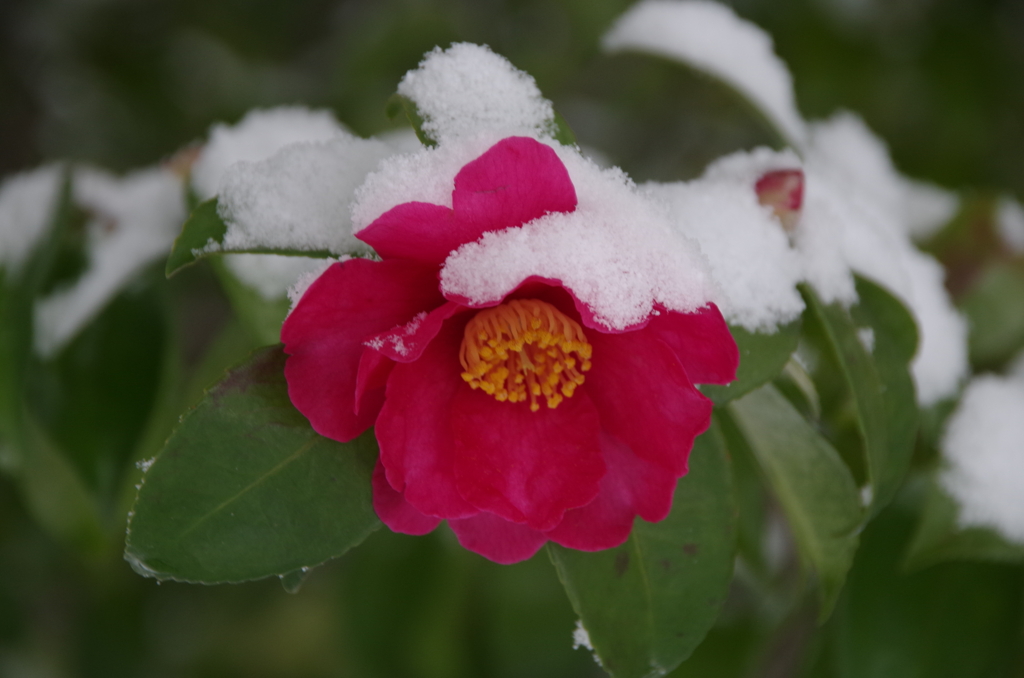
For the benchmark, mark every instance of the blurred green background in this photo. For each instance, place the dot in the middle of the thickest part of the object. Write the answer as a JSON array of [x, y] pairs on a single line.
[[124, 83]]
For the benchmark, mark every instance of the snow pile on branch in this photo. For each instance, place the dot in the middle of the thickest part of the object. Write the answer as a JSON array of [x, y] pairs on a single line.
[[284, 179], [984, 450], [28, 204], [468, 90], [709, 37], [258, 135], [134, 222]]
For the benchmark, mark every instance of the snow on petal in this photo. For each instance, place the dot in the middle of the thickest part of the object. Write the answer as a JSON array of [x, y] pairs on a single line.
[[618, 252], [260, 134], [299, 197], [709, 37], [984, 450], [28, 202], [746, 246], [468, 90], [135, 220]]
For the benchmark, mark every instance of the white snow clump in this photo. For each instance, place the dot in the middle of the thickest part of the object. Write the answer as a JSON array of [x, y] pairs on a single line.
[[984, 450], [260, 134], [134, 221], [28, 203], [284, 178], [709, 37], [468, 90]]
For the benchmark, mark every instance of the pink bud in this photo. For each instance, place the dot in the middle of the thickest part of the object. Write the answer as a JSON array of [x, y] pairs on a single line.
[[783, 191]]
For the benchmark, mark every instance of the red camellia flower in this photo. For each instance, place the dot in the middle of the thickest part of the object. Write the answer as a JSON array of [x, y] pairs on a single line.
[[517, 423]]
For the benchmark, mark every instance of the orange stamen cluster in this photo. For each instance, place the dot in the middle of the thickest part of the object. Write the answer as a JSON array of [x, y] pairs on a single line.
[[524, 349]]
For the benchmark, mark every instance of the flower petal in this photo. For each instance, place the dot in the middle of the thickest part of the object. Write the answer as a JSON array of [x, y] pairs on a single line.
[[645, 398], [371, 378], [414, 427], [497, 539], [631, 487], [324, 335], [406, 343], [395, 511], [527, 467], [417, 231], [702, 342], [517, 180]]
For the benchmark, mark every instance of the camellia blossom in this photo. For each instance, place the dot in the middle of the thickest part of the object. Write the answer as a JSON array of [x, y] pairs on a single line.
[[518, 421]]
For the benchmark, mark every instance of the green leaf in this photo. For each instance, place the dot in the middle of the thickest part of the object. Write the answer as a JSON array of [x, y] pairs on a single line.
[[246, 489], [205, 229], [993, 310], [895, 343], [762, 357], [939, 538], [399, 103], [885, 456], [262, 317], [810, 480], [953, 620], [562, 132], [648, 603]]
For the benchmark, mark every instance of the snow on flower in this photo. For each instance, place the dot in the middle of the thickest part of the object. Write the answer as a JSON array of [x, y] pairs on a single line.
[[542, 407], [984, 451], [134, 220]]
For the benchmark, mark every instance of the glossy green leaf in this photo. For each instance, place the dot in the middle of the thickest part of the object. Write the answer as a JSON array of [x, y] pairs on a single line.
[[953, 620], [762, 357], [245, 488], [205, 228], [885, 465], [894, 335], [648, 603], [810, 480], [939, 538]]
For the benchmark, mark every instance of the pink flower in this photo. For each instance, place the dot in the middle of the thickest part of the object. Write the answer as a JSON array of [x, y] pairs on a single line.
[[517, 423]]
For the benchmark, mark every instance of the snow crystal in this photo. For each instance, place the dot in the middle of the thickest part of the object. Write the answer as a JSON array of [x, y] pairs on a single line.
[[28, 202], [709, 37], [469, 90], [299, 197], [1010, 224], [580, 637], [135, 220], [984, 449], [749, 254], [270, 274], [145, 464], [260, 134], [618, 252]]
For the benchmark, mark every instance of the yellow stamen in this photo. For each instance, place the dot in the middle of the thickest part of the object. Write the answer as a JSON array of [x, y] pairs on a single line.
[[523, 350]]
